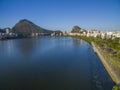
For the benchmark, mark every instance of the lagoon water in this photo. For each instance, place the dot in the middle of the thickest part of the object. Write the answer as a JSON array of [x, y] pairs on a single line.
[[51, 63]]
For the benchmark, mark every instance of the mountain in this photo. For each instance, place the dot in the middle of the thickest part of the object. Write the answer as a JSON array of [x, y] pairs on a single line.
[[26, 27], [77, 29]]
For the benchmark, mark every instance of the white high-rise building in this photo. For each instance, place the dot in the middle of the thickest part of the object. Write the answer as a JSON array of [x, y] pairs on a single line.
[[7, 31]]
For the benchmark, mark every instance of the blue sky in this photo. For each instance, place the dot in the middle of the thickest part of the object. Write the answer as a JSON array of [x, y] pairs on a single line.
[[62, 14]]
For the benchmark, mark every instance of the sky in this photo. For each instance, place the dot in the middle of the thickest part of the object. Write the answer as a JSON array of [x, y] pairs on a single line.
[[62, 14]]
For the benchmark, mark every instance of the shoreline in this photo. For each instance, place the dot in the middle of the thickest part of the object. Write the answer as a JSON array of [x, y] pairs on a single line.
[[106, 63], [27, 37]]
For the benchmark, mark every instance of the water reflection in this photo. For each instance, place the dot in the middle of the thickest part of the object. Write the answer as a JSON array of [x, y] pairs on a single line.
[[10, 47], [26, 47], [6, 48], [77, 42]]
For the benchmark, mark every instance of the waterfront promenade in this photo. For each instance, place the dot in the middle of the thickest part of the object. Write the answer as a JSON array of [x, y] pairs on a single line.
[[110, 68]]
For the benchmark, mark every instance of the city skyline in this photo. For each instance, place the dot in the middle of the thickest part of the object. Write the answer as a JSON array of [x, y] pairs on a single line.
[[62, 14]]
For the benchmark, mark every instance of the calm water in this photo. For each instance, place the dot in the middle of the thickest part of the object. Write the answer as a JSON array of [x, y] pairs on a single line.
[[56, 63]]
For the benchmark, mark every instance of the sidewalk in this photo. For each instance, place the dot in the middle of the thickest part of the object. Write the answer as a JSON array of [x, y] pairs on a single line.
[[110, 68]]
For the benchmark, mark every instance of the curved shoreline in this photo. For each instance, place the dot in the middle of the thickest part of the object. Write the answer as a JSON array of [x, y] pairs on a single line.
[[109, 68]]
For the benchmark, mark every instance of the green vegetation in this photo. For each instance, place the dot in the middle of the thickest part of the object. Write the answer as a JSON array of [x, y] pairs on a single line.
[[116, 87], [114, 44], [111, 48]]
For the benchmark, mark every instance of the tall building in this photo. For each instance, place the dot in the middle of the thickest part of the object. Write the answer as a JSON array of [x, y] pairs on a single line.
[[7, 30]]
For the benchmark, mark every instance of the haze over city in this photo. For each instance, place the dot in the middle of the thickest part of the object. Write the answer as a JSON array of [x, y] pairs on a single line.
[[62, 14]]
